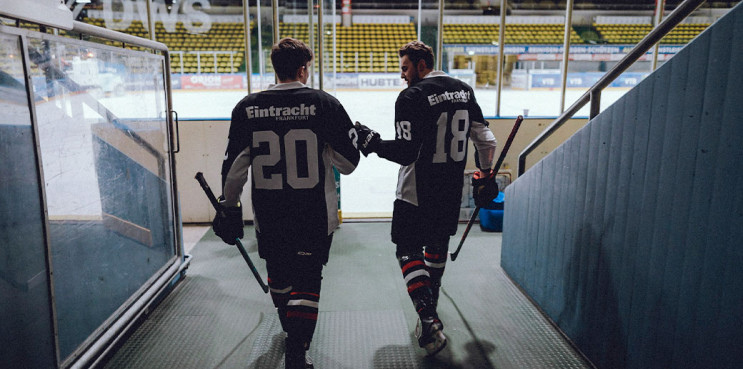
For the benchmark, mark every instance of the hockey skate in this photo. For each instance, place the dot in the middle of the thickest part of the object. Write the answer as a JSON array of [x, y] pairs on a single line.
[[296, 357], [430, 335], [298, 360], [435, 287]]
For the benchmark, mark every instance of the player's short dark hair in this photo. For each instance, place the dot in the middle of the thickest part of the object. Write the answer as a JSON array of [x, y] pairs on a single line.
[[416, 51], [287, 56]]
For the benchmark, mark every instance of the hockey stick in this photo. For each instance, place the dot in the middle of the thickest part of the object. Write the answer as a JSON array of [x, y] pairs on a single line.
[[495, 170], [220, 211]]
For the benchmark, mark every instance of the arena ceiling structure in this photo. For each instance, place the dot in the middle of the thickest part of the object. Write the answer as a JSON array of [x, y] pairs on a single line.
[[486, 6], [627, 5]]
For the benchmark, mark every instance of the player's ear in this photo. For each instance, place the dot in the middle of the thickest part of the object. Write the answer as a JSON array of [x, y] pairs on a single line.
[[421, 66]]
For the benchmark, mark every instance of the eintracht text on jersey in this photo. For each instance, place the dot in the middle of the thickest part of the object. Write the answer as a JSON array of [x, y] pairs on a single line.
[[450, 96], [301, 112]]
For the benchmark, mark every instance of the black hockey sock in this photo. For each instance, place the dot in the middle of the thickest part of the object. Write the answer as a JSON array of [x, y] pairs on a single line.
[[435, 264], [280, 296], [301, 314]]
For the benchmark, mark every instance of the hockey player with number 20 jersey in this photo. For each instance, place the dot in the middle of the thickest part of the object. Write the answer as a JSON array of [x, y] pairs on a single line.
[[289, 137]]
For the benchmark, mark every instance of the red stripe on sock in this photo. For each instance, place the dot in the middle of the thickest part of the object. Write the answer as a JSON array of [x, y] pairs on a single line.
[[417, 285], [301, 315], [410, 265], [315, 295]]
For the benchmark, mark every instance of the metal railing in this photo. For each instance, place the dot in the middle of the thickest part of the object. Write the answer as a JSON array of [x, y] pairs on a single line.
[[593, 95]]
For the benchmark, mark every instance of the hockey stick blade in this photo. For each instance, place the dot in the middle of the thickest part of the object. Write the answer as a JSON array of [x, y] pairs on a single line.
[[257, 276], [466, 231], [213, 200], [498, 164]]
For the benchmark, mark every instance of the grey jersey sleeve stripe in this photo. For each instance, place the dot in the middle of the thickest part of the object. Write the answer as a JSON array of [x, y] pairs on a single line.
[[236, 178], [340, 162], [484, 142]]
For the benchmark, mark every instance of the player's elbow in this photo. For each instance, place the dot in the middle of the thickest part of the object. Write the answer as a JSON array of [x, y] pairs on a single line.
[[485, 145], [346, 168], [395, 152], [344, 164], [407, 159]]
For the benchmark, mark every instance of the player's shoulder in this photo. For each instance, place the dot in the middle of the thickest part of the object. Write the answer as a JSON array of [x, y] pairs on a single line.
[[327, 97], [442, 80], [412, 92], [247, 99], [311, 94]]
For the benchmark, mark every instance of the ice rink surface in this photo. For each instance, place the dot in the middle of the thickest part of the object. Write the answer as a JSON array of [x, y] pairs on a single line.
[[370, 190]]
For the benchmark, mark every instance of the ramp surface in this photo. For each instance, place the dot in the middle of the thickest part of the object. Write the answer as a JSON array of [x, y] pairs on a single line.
[[218, 317]]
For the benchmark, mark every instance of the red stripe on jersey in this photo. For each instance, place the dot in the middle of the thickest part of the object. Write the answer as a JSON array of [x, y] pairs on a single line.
[[301, 315], [410, 265], [418, 285]]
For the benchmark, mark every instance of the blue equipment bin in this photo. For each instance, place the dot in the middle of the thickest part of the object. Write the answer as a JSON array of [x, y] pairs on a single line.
[[491, 217]]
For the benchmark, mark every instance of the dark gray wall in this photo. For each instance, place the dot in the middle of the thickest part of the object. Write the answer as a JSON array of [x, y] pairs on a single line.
[[629, 235]]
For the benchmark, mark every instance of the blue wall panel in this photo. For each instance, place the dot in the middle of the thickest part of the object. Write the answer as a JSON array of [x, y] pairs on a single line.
[[606, 298], [730, 191], [693, 95], [628, 235], [665, 253]]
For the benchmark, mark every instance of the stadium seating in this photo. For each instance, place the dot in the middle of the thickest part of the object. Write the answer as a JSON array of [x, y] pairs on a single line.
[[371, 47], [633, 33], [196, 53], [515, 34], [360, 47]]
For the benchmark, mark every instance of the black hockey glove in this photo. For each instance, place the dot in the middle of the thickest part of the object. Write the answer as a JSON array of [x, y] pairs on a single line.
[[369, 139], [484, 188], [230, 225]]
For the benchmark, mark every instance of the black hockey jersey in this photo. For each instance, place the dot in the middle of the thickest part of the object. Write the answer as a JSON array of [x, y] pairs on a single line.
[[290, 137], [434, 119]]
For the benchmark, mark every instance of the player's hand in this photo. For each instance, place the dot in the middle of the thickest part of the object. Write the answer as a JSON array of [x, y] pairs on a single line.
[[229, 226], [484, 188], [369, 139]]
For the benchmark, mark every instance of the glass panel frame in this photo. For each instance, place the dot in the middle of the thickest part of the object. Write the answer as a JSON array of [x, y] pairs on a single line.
[[133, 141], [25, 286]]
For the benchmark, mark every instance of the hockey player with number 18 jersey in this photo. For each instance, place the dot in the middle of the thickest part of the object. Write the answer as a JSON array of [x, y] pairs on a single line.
[[435, 117]]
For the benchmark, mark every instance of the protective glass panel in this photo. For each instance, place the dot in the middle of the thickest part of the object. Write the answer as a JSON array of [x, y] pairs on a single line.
[[206, 41], [104, 149], [359, 64], [535, 76], [471, 53], [298, 19], [331, 22], [367, 82], [24, 284], [600, 45]]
